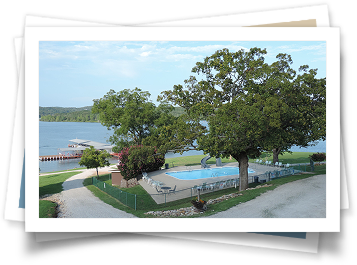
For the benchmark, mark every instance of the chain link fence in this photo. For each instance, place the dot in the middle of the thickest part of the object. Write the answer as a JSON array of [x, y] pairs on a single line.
[[148, 201]]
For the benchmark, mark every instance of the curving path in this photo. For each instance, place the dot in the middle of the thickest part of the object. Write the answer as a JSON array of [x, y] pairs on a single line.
[[305, 198], [76, 201]]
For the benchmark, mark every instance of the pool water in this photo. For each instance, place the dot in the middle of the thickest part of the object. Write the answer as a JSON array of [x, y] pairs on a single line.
[[206, 173]]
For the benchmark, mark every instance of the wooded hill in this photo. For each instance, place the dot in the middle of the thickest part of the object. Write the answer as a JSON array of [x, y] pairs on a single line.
[[43, 111], [83, 114], [61, 114]]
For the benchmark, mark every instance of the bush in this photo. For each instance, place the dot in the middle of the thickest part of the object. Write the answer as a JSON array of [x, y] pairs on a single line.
[[136, 159], [318, 157]]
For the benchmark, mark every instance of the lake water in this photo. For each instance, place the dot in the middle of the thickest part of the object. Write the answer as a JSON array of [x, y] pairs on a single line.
[[54, 135]]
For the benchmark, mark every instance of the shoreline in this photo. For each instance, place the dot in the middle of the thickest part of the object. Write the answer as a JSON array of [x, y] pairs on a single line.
[[189, 158]]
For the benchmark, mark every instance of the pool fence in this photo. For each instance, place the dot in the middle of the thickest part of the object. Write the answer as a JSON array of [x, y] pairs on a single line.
[[161, 199]]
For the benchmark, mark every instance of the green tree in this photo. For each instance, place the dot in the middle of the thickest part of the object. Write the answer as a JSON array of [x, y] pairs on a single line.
[[301, 104], [93, 158], [131, 115], [247, 104]]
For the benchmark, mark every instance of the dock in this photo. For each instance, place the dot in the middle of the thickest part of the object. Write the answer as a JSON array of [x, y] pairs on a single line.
[[58, 157], [75, 150]]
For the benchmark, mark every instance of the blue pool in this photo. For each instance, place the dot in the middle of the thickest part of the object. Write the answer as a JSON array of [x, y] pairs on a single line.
[[206, 173]]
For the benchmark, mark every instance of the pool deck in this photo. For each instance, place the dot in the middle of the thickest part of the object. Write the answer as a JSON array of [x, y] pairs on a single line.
[[183, 187]]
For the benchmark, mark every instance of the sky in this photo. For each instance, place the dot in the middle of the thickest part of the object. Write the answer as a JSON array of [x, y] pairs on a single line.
[[73, 73]]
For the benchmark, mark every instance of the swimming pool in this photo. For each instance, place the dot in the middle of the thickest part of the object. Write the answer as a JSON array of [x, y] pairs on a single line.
[[206, 173]]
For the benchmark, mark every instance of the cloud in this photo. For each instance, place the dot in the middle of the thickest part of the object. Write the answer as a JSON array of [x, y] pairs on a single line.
[[180, 57], [49, 53], [127, 59], [145, 54], [81, 47], [205, 48], [318, 49], [118, 67]]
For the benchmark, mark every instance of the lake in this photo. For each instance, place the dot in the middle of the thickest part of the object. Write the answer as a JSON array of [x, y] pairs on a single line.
[[54, 135]]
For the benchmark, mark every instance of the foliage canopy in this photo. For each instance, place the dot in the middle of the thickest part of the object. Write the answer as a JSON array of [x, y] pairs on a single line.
[[93, 158], [249, 106], [131, 115], [134, 160]]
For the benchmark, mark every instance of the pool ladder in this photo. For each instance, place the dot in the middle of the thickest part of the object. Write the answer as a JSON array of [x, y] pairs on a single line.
[[188, 168], [214, 175]]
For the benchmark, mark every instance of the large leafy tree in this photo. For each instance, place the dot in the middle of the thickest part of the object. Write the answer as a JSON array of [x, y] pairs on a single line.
[[249, 105], [131, 115], [302, 104]]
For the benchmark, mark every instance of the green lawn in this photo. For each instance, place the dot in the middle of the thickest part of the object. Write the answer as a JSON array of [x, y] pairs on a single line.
[[51, 184], [291, 158], [47, 209], [145, 203], [52, 172]]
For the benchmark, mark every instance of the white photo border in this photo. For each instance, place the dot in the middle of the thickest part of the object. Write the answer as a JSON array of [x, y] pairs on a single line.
[[36, 34]]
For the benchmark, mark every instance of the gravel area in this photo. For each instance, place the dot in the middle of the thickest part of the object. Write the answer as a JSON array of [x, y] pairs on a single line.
[[76, 201], [305, 198]]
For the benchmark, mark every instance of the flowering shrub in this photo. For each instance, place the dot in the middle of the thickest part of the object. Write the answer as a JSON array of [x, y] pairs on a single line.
[[317, 157], [136, 159], [200, 200]]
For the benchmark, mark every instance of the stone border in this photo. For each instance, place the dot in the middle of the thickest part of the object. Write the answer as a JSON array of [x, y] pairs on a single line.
[[189, 211]]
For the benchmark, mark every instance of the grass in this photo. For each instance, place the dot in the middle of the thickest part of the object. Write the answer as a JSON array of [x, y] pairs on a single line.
[[67, 170], [61, 171], [291, 158], [47, 209], [251, 194], [145, 202], [51, 184]]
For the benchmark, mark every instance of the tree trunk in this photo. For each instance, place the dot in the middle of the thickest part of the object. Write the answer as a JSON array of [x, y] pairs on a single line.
[[242, 159], [97, 171], [276, 152]]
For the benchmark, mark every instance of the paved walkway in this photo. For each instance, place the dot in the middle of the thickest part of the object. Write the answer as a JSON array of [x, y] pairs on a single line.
[[305, 198], [76, 201]]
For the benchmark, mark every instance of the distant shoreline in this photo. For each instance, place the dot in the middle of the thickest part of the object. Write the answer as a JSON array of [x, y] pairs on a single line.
[[73, 121]]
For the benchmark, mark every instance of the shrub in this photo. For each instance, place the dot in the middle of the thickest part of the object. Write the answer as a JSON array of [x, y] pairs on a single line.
[[318, 157], [136, 159]]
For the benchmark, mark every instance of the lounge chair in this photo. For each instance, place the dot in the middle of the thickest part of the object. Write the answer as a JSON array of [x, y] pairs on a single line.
[[266, 163], [222, 184], [194, 188], [232, 182], [280, 164], [173, 190], [158, 191], [216, 185], [260, 161], [287, 165], [276, 164], [204, 186], [145, 176], [236, 182]]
